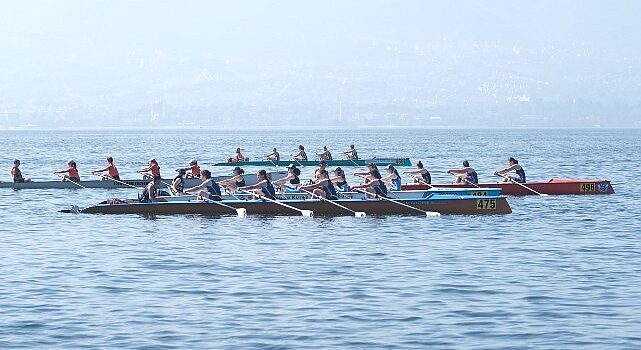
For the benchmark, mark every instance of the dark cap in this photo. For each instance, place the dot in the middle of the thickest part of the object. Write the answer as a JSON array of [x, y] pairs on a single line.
[[322, 162]]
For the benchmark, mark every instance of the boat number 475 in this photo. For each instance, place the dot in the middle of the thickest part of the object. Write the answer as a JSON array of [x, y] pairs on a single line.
[[486, 204]]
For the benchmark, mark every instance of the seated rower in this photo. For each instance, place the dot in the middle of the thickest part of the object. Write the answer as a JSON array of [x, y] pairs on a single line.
[[151, 171], [424, 175], [178, 185], [322, 165], [112, 171], [301, 155], [323, 187], [274, 156], [373, 184], [339, 180], [325, 154], [238, 157], [512, 165], [236, 181], [392, 178], [290, 182], [208, 188], [351, 153], [72, 171], [263, 188], [193, 171], [365, 174], [16, 174], [150, 193], [466, 174]]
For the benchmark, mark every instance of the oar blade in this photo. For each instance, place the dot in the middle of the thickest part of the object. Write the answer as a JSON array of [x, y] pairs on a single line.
[[360, 214], [307, 213], [242, 212], [432, 214]]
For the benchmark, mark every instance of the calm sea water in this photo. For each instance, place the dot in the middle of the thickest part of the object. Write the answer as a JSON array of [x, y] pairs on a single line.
[[558, 273]]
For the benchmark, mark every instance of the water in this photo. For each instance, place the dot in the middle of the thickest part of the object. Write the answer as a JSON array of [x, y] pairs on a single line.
[[558, 273]]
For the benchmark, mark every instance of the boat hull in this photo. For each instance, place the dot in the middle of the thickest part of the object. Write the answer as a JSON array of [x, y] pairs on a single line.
[[337, 162], [552, 187], [444, 204], [250, 179]]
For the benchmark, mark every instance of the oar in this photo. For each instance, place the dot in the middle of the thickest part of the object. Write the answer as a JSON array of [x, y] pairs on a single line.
[[359, 214], [303, 212], [522, 185], [466, 180], [241, 212], [73, 182], [427, 213], [297, 162], [419, 179], [120, 182]]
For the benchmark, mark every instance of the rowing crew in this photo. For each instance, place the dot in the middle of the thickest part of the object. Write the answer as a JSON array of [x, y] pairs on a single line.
[[467, 174], [301, 155]]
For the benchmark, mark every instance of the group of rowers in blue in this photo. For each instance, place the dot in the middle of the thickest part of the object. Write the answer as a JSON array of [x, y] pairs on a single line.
[[323, 184]]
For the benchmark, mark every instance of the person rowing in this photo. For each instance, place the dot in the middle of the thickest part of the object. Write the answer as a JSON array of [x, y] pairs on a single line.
[[152, 170], [72, 171], [193, 171], [466, 174], [111, 170], [178, 184], [512, 165], [274, 156], [323, 187], [325, 154], [208, 188], [373, 184], [150, 193], [351, 153], [301, 155], [290, 182], [263, 187], [365, 174], [423, 175], [236, 181], [392, 178], [238, 157], [339, 180], [16, 174], [322, 165]]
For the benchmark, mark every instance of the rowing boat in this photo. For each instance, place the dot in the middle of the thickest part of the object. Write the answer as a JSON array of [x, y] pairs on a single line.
[[552, 187], [250, 179], [336, 162], [441, 203]]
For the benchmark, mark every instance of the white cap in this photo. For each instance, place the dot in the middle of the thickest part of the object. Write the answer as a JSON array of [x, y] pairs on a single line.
[[193, 162]]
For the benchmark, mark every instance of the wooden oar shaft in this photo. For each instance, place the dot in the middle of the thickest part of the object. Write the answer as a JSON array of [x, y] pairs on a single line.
[[122, 182], [399, 203], [466, 180], [520, 184], [329, 201], [420, 179], [276, 202], [68, 179]]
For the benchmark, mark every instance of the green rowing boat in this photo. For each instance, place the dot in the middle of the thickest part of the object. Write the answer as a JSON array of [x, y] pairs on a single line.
[[336, 162]]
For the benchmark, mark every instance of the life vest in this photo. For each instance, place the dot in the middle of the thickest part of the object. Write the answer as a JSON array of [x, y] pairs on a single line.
[[15, 172], [73, 173], [155, 169], [195, 170], [112, 171]]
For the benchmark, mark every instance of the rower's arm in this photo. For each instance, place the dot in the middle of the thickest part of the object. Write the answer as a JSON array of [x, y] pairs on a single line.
[[252, 187], [99, 170]]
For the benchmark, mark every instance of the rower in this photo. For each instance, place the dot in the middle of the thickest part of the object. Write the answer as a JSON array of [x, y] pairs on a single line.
[[236, 181], [239, 157], [466, 174], [263, 187], [178, 185], [274, 156], [301, 155], [152, 170], [323, 187], [370, 167], [512, 165], [325, 154], [112, 171], [351, 153], [150, 193], [290, 182], [208, 188], [72, 171], [373, 184], [193, 171], [425, 176], [393, 178], [339, 180], [16, 174], [322, 165]]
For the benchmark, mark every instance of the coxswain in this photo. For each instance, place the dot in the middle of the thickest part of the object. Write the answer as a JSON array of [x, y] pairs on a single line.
[[263, 188], [152, 170], [393, 178], [466, 174], [236, 181], [72, 171], [339, 180], [178, 184], [16, 174], [208, 188], [274, 156], [111, 170], [301, 155], [420, 170], [512, 165], [325, 154], [351, 153], [323, 187]]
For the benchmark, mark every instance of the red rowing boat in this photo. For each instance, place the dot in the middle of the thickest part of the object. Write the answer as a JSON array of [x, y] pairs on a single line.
[[552, 187]]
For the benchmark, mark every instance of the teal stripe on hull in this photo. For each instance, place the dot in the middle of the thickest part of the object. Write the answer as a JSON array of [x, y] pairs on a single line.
[[338, 162]]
